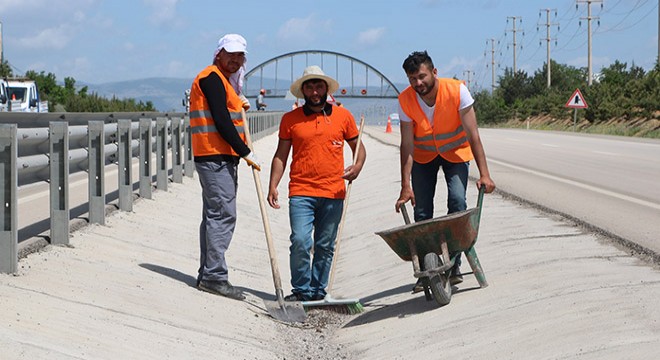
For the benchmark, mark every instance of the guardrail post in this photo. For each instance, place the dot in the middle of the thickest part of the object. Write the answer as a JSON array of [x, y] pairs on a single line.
[[161, 153], [177, 166], [59, 182], [188, 163], [96, 171], [145, 157], [125, 151], [8, 191]]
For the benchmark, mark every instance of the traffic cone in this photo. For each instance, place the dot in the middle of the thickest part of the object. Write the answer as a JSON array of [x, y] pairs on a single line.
[[388, 129]]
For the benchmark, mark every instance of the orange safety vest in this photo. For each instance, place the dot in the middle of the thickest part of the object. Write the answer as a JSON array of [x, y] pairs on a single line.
[[447, 137], [206, 139]]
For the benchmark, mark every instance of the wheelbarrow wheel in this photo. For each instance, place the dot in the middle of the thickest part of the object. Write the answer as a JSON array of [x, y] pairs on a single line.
[[439, 283]]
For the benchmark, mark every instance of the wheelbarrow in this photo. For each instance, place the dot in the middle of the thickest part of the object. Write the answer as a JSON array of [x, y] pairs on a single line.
[[436, 239]]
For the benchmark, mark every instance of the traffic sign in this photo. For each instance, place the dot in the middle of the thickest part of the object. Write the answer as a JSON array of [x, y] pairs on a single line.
[[577, 101]]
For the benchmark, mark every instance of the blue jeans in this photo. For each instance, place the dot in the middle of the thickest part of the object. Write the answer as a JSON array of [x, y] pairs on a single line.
[[309, 277], [424, 181]]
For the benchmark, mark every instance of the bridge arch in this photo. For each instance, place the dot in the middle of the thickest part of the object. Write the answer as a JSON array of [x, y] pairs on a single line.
[[354, 83]]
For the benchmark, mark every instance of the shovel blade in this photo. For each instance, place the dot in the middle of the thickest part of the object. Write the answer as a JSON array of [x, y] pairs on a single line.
[[290, 311]]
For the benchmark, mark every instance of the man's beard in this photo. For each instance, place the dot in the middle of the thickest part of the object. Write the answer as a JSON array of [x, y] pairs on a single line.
[[426, 89], [321, 102]]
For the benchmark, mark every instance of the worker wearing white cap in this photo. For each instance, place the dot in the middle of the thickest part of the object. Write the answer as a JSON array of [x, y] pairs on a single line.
[[218, 144]]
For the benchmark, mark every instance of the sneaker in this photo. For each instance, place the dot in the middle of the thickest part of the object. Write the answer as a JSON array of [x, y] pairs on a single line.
[[295, 297], [419, 286], [223, 288], [318, 297]]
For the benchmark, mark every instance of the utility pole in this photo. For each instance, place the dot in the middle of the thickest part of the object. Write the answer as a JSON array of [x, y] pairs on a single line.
[[468, 75], [658, 59], [492, 61], [548, 39], [589, 18], [514, 30], [2, 55]]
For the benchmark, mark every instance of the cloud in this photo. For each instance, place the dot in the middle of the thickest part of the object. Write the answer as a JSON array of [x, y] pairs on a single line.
[[304, 31], [456, 66], [49, 38], [371, 36], [163, 11]]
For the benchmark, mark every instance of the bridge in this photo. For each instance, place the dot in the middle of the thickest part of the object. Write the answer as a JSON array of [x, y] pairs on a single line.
[[357, 79]]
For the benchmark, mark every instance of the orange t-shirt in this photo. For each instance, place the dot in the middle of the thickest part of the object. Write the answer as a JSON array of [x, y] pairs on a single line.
[[317, 164]]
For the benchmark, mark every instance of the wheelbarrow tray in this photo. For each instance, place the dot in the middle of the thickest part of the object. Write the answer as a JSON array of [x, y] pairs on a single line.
[[458, 229]]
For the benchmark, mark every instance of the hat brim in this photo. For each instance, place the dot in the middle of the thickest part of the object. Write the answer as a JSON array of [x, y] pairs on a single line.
[[235, 49], [296, 87]]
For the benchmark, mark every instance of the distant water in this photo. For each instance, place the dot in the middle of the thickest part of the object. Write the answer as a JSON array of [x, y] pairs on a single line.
[[375, 110]]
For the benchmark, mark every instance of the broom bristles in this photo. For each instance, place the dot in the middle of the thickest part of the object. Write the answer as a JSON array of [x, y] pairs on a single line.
[[341, 306]]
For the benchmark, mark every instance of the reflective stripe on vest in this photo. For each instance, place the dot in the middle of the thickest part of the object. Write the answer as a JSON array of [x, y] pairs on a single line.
[[447, 137], [206, 139]]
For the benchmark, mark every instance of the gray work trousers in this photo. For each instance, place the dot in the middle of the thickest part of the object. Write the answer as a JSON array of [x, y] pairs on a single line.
[[219, 182]]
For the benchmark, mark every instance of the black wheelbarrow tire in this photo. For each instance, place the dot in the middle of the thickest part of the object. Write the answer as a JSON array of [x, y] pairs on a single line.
[[439, 283]]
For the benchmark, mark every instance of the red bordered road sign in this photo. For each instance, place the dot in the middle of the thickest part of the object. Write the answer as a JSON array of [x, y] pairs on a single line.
[[577, 101]]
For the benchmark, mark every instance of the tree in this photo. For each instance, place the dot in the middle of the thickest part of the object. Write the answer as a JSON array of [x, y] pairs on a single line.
[[5, 69], [514, 86]]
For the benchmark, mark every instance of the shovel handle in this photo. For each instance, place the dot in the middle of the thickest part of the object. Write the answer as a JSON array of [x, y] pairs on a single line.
[[277, 279], [335, 256]]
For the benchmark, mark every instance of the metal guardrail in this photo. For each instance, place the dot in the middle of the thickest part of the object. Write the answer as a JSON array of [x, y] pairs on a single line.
[[50, 147]]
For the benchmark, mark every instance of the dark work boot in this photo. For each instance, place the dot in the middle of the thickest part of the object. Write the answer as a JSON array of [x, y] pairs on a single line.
[[223, 288], [455, 278]]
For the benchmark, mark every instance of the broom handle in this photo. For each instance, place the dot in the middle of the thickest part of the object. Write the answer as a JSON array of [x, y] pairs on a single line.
[[343, 213], [274, 267]]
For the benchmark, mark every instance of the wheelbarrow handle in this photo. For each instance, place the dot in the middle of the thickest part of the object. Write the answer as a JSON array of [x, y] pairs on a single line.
[[404, 212], [480, 201]]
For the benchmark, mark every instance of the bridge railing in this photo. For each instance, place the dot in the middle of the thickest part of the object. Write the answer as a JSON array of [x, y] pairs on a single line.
[[49, 149]]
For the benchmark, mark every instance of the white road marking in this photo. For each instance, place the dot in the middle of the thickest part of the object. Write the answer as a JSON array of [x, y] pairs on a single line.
[[580, 185], [605, 153]]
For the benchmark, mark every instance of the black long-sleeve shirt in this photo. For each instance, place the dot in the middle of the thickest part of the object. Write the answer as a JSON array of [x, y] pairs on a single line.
[[216, 96]]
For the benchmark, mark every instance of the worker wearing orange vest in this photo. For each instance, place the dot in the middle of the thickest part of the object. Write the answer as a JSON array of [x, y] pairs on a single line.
[[218, 143], [438, 130]]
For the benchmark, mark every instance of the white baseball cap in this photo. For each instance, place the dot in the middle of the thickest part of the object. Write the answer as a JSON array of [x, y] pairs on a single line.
[[232, 43]]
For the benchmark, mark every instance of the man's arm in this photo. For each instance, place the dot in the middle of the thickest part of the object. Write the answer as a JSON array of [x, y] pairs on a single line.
[[352, 171], [277, 170], [469, 120], [406, 150], [216, 96]]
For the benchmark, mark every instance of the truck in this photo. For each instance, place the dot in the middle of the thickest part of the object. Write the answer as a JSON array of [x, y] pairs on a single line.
[[23, 96], [3, 95]]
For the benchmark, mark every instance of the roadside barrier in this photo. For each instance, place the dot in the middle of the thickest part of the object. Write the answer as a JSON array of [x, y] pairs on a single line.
[[32, 153]]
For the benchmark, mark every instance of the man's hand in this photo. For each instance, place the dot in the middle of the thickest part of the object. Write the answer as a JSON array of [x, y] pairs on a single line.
[[251, 159], [272, 198], [405, 195], [246, 102], [351, 173], [487, 182]]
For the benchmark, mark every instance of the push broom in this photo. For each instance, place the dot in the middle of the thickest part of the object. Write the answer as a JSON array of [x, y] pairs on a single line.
[[344, 306]]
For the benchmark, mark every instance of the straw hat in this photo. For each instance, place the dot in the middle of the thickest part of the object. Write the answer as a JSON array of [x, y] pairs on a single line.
[[313, 72]]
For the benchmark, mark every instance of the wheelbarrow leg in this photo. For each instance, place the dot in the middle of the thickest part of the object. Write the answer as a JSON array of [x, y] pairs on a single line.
[[471, 255]]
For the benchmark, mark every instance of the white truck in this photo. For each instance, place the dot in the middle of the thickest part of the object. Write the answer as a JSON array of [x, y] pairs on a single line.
[[3, 95], [23, 96]]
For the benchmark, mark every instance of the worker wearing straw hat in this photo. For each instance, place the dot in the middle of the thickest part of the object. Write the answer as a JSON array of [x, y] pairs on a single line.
[[316, 132]]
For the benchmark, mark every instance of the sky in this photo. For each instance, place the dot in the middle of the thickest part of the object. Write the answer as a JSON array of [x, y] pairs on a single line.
[[99, 41]]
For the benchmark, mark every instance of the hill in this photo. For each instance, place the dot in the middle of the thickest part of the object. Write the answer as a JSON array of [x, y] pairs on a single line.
[[165, 93]]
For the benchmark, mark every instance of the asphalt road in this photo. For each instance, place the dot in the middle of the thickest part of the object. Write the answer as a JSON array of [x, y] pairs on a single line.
[[610, 183]]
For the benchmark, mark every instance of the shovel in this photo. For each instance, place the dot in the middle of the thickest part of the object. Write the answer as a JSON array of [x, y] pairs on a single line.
[[284, 311]]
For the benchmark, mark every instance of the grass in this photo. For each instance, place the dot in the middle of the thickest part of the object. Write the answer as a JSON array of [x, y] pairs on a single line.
[[640, 128]]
